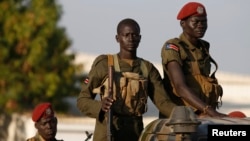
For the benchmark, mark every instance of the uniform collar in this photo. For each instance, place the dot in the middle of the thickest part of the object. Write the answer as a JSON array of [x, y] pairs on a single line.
[[188, 45], [40, 138]]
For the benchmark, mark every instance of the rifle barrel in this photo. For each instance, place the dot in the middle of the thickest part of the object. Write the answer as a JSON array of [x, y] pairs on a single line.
[[110, 114]]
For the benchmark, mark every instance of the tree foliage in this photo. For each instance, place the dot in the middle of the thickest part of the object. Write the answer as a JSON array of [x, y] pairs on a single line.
[[35, 65]]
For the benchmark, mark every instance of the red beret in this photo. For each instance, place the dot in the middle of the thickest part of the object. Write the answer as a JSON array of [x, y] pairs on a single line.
[[191, 8], [43, 110], [237, 114]]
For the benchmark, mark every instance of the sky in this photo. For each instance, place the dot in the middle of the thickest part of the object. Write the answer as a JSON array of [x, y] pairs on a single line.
[[91, 26]]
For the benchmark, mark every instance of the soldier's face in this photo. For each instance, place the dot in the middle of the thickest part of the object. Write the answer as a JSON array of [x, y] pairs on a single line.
[[195, 26], [47, 127], [129, 37]]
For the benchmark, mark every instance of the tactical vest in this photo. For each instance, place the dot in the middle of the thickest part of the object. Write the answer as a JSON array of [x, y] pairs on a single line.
[[129, 90], [198, 78]]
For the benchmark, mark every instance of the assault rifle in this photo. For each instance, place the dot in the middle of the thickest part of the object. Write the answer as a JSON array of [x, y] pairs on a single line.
[[110, 91]]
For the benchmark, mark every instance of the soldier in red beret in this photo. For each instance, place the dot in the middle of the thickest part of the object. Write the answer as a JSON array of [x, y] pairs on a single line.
[[187, 65], [45, 123]]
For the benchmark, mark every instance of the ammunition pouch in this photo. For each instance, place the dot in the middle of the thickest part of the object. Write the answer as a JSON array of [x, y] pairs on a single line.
[[129, 93], [207, 89]]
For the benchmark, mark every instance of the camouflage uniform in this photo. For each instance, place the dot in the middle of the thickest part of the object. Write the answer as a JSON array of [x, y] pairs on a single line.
[[126, 127], [37, 137], [196, 65]]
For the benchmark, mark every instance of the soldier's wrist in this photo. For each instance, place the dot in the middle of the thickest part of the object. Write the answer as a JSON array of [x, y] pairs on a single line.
[[206, 109]]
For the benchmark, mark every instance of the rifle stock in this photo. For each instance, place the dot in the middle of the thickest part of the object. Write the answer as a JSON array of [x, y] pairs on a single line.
[[110, 91]]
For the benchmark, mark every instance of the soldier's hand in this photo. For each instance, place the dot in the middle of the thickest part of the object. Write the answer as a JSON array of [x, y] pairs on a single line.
[[210, 112], [106, 104], [220, 115], [214, 113]]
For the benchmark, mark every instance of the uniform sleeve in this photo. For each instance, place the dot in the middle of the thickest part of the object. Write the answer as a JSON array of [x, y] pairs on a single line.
[[170, 52], [86, 100], [157, 93]]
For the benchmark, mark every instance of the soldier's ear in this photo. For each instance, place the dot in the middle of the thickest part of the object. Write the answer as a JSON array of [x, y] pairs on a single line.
[[36, 125], [182, 23], [117, 38], [56, 120]]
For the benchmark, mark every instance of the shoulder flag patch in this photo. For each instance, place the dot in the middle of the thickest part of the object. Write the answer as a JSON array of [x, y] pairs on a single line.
[[172, 46], [86, 81]]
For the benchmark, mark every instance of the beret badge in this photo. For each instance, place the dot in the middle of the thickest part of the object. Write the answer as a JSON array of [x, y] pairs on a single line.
[[48, 111], [200, 10]]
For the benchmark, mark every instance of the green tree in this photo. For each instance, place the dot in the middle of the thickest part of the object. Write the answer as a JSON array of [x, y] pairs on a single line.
[[35, 64]]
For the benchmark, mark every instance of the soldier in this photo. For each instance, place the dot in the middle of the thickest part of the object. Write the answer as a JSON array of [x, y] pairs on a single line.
[[187, 64], [134, 80], [45, 123]]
